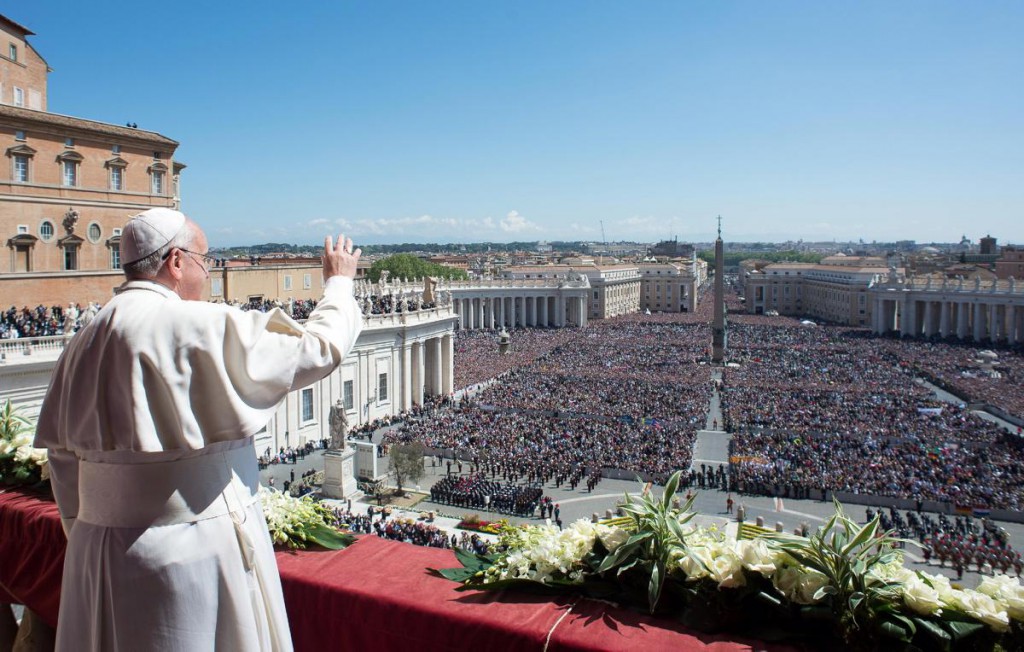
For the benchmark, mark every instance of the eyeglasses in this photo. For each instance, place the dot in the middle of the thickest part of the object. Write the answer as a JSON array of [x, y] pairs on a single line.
[[205, 261]]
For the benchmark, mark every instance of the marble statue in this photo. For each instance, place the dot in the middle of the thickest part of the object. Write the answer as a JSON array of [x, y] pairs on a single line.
[[338, 422]]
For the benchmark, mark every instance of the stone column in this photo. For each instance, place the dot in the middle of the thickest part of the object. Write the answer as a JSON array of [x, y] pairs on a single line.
[[533, 311], [962, 310], [1019, 324], [583, 312], [877, 317], [436, 371], [944, 319], [501, 311], [560, 311], [544, 312], [491, 317], [447, 364], [907, 317], [993, 323], [929, 326], [407, 377], [979, 322], [1011, 324], [417, 373]]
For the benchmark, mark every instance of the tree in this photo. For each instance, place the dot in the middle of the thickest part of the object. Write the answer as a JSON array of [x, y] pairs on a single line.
[[407, 463], [410, 267]]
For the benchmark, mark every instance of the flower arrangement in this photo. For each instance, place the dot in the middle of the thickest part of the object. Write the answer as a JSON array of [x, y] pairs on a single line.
[[844, 587], [297, 522], [20, 462], [474, 523]]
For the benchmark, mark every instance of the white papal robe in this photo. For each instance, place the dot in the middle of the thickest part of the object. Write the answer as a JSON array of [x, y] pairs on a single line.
[[149, 421]]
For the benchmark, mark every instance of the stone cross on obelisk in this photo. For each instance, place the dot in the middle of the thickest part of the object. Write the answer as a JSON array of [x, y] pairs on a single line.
[[718, 334]]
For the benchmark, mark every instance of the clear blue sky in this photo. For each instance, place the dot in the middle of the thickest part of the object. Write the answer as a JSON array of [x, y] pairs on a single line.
[[470, 121]]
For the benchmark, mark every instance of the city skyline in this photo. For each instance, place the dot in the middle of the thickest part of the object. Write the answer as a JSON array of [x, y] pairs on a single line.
[[456, 122]]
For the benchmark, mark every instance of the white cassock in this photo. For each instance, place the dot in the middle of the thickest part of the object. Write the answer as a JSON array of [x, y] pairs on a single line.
[[149, 421]]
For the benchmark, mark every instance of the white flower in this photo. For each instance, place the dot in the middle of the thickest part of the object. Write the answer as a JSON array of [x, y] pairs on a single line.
[[921, 597], [613, 537], [727, 570], [982, 607], [894, 571], [800, 584], [941, 585], [757, 556], [692, 566], [1007, 592]]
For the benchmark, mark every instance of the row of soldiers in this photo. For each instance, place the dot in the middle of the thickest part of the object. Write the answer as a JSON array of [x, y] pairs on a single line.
[[479, 493]]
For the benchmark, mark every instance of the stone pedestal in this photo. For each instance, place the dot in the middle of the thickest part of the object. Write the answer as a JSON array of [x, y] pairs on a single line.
[[339, 475]]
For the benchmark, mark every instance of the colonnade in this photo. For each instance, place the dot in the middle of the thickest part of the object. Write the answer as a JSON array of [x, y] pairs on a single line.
[[427, 369], [980, 316], [493, 312]]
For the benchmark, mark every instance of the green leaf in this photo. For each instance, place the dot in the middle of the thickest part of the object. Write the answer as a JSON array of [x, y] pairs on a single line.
[[960, 629], [459, 575], [866, 534], [329, 537], [935, 631], [670, 489], [654, 586], [677, 529], [894, 629], [620, 555], [472, 561]]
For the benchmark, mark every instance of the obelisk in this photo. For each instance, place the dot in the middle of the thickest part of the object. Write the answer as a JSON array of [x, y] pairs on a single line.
[[718, 334]]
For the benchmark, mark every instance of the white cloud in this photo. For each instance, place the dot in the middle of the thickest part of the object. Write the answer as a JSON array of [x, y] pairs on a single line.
[[516, 223], [428, 227]]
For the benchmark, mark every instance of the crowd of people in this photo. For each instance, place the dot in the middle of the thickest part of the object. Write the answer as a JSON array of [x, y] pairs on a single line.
[[625, 394], [45, 321], [409, 530], [477, 492], [829, 409], [478, 359], [958, 367]]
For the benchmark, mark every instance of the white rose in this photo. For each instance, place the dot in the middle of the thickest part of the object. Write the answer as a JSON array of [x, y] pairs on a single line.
[[941, 585], [798, 584], [1006, 591], [727, 570], [756, 556], [612, 538], [809, 585], [982, 607], [921, 597], [692, 568]]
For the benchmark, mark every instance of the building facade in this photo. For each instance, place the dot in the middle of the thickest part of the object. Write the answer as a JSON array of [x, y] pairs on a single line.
[[614, 289], [967, 310], [835, 290], [671, 286], [549, 302], [1011, 263], [68, 183]]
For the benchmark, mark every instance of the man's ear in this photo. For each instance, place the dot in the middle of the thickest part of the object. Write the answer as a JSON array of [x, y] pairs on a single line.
[[176, 264]]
